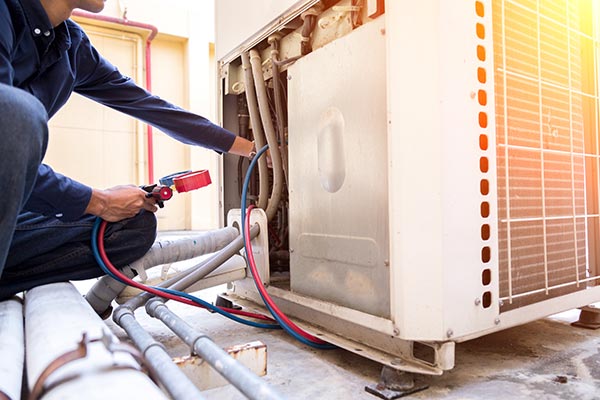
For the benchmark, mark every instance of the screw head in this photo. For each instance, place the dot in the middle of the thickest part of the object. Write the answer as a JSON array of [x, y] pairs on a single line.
[[477, 301], [396, 332], [449, 333], [497, 321]]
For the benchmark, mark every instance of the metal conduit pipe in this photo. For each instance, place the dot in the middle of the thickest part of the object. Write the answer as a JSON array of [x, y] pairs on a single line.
[[70, 347], [106, 289], [257, 131], [12, 348], [175, 382], [265, 115], [237, 374]]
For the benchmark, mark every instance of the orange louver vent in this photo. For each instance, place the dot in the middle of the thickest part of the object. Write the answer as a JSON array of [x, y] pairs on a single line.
[[546, 95]]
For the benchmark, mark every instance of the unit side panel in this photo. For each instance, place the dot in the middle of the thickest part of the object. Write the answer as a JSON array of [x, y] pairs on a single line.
[[443, 205], [338, 172], [470, 213]]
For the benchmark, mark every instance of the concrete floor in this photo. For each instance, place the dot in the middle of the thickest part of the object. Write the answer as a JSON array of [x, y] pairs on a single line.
[[546, 359]]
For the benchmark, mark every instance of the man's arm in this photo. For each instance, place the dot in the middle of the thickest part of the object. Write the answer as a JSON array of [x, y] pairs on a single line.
[[67, 199], [102, 82], [56, 194]]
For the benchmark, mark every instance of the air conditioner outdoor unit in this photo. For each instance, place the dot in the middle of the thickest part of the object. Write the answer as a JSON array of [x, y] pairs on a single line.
[[443, 168]]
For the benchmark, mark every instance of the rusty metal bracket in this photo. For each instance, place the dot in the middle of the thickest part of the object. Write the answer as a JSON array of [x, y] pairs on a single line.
[[80, 352]]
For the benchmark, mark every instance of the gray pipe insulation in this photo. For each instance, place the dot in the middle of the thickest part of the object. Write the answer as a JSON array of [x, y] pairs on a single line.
[[106, 289], [257, 131], [12, 348], [265, 115], [102, 373]]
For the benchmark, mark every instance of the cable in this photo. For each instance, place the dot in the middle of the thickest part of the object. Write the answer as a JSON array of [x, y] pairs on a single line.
[[279, 316], [186, 298]]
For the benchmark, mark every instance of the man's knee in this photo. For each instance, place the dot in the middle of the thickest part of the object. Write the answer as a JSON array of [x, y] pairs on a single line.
[[139, 233], [147, 224], [23, 123]]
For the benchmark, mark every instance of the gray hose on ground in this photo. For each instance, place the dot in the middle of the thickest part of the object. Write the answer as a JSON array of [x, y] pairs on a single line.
[[171, 377], [236, 373], [265, 115], [257, 131]]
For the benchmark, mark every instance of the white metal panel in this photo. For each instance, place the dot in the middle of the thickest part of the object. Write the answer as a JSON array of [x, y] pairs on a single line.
[[338, 180], [434, 179]]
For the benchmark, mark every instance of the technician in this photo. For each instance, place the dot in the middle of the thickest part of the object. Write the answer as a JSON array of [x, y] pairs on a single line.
[[45, 217]]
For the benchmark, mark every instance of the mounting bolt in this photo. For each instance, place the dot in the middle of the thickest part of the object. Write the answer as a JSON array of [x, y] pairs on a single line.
[[289, 77], [477, 301], [396, 332], [449, 333], [497, 321], [501, 303]]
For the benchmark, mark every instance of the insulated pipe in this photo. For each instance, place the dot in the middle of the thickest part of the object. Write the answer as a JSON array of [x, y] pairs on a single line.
[[192, 275], [106, 288], [237, 374], [56, 320], [265, 115], [148, 56], [12, 348], [279, 113], [175, 382], [257, 131], [215, 262]]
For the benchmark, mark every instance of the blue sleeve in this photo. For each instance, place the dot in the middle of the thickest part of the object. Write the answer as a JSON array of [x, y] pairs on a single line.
[[58, 195], [102, 82], [6, 41]]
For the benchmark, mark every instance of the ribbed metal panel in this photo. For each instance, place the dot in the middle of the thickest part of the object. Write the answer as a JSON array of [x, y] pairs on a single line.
[[547, 148]]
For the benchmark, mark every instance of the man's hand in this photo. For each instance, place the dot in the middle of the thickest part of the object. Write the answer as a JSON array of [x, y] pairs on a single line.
[[243, 147], [119, 202]]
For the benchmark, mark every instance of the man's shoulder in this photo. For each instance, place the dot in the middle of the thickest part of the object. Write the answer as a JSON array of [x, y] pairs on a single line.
[[74, 28]]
